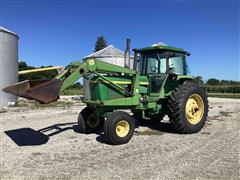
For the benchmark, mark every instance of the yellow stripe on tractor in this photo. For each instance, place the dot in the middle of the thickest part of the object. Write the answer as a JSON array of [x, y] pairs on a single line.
[[119, 82]]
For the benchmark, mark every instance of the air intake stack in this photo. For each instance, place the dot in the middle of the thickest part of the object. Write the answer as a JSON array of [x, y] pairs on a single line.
[[127, 54]]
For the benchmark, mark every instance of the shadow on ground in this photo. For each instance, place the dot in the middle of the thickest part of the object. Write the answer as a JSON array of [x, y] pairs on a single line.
[[31, 137], [27, 137], [164, 127]]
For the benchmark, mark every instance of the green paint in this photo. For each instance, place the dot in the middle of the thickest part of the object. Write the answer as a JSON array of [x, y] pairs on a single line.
[[114, 87]]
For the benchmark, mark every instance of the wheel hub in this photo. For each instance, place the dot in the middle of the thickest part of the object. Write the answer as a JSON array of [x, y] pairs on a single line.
[[194, 109], [122, 128], [93, 120]]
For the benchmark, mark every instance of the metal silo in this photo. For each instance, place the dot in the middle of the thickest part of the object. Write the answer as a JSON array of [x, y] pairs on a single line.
[[8, 64]]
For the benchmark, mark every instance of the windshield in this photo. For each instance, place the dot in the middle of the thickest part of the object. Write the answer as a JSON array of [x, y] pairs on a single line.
[[156, 63], [153, 63]]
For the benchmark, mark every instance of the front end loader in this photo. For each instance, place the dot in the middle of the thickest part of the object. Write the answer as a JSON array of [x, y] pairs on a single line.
[[158, 85]]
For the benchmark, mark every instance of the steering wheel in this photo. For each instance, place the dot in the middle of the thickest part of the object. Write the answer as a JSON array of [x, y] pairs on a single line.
[[153, 69]]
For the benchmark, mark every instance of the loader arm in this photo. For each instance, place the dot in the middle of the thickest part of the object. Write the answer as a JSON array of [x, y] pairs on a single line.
[[46, 91], [75, 71]]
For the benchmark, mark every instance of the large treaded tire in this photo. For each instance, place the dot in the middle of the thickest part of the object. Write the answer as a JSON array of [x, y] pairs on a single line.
[[85, 116], [111, 124], [177, 104]]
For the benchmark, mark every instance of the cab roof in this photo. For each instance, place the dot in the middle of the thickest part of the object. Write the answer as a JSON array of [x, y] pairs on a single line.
[[164, 47]]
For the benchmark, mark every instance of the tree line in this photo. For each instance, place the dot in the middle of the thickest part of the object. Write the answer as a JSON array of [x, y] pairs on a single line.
[[213, 81], [214, 85], [22, 65]]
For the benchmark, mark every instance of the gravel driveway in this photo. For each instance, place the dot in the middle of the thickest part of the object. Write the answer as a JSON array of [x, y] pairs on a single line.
[[44, 143]]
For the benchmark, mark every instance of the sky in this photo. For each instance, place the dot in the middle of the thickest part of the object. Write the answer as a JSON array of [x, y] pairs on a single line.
[[57, 32]]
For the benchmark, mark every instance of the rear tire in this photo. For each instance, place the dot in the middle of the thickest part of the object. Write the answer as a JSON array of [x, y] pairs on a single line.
[[89, 121], [188, 106], [119, 128]]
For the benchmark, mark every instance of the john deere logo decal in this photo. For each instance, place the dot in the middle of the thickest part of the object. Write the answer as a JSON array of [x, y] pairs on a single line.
[[91, 62]]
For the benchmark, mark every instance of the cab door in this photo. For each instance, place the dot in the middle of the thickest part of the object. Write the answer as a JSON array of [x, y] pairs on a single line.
[[156, 68]]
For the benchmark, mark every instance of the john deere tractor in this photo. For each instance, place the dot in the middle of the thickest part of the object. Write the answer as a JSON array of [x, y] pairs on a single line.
[[157, 85]]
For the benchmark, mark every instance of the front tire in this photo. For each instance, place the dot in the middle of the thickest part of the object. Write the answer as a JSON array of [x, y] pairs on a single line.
[[89, 121], [119, 128], [188, 106]]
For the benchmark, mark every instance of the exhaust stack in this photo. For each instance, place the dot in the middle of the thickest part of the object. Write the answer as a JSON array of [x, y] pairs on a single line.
[[127, 54]]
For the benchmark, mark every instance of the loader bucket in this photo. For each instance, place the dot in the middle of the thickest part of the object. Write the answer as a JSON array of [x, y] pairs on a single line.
[[43, 91]]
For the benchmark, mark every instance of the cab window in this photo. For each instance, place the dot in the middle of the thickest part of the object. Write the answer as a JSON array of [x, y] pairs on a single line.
[[177, 64], [161, 63], [153, 64]]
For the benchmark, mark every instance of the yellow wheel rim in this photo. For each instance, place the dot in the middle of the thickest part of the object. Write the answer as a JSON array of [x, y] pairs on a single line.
[[93, 120], [194, 109], [122, 128]]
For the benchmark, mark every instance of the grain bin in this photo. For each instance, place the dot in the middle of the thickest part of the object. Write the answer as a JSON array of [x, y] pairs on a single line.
[[110, 54], [8, 64]]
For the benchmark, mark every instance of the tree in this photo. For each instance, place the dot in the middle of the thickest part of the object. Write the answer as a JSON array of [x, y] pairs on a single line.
[[198, 80], [213, 81], [100, 43], [22, 65]]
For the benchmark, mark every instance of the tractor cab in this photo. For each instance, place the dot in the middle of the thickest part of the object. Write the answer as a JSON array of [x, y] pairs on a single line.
[[160, 62]]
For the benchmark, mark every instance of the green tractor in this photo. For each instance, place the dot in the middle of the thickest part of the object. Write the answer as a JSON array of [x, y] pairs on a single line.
[[157, 85]]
